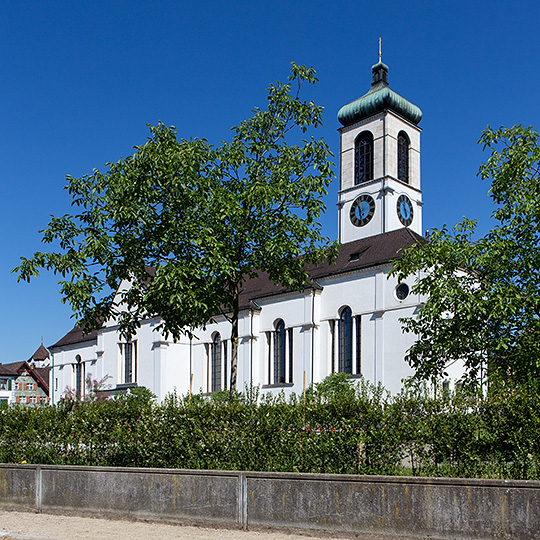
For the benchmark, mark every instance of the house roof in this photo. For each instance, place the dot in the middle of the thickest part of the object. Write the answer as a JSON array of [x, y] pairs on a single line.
[[363, 253], [12, 369], [41, 354], [40, 375]]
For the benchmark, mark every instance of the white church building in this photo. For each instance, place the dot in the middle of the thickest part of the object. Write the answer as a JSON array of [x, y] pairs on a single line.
[[347, 321]]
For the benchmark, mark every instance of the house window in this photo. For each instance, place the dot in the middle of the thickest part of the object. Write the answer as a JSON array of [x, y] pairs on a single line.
[[363, 158], [215, 352], [280, 354], [403, 157], [128, 354]]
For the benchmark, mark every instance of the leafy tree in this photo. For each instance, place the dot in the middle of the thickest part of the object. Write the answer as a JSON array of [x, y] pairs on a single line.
[[482, 296], [186, 223]]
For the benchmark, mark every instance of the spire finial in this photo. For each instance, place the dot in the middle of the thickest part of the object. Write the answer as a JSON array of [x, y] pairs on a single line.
[[380, 49]]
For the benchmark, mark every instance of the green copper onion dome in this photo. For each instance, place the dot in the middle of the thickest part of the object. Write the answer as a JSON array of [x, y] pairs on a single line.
[[379, 98]]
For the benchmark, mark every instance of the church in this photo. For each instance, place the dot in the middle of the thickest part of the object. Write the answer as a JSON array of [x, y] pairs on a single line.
[[347, 321]]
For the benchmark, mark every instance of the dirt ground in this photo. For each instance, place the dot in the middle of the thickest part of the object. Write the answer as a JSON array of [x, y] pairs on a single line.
[[30, 526]]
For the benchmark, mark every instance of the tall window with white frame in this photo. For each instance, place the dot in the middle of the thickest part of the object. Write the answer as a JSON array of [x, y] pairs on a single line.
[[403, 157], [345, 351], [215, 353], [128, 355], [279, 345], [363, 158], [78, 376], [224, 350], [358, 343], [345, 343], [290, 333], [279, 353]]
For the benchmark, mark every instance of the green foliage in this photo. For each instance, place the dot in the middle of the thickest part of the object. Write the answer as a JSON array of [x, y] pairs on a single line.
[[340, 426], [186, 223], [482, 296]]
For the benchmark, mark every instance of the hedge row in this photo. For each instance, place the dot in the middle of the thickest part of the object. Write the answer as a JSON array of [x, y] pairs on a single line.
[[339, 426]]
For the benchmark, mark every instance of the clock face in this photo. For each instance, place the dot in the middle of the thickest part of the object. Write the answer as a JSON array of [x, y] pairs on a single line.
[[362, 210], [405, 210]]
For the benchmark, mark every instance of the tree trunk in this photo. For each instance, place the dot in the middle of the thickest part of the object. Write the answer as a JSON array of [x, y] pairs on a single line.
[[234, 338]]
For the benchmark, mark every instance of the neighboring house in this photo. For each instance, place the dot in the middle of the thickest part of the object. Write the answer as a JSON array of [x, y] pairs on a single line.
[[22, 383], [41, 358], [347, 321]]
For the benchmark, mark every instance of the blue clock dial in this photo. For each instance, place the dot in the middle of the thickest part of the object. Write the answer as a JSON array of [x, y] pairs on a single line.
[[405, 210], [362, 210]]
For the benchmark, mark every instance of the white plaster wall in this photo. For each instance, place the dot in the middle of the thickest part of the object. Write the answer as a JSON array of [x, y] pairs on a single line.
[[295, 309], [165, 366], [62, 369], [8, 394], [348, 231]]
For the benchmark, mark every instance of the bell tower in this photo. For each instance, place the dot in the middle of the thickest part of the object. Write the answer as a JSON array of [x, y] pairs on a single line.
[[379, 187]]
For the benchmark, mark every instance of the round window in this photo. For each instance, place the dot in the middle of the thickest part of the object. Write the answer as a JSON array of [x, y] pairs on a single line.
[[402, 291]]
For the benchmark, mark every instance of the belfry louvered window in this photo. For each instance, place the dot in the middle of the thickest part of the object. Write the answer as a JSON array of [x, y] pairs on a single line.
[[363, 158], [403, 157]]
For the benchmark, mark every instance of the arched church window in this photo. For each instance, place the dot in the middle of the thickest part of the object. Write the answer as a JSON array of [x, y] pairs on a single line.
[[216, 362], [78, 376], [345, 331], [128, 354], [403, 157], [279, 352], [363, 158]]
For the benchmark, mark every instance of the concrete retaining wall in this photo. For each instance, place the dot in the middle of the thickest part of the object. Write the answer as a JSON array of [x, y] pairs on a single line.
[[442, 508]]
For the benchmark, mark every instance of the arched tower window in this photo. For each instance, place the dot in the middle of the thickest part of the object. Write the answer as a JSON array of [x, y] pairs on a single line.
[[345, 330], [78, 376], [363, 158], [279, 352], [216, 362], [403, 156]]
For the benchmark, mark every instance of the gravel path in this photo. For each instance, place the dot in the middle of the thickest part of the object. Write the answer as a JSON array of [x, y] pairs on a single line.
[[30, 526]]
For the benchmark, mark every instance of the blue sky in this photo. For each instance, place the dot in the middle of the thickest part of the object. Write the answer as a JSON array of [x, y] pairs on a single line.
[[81, 80]]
